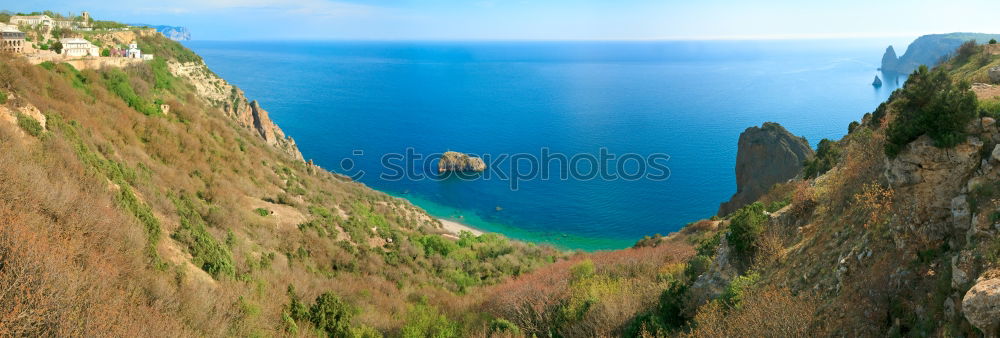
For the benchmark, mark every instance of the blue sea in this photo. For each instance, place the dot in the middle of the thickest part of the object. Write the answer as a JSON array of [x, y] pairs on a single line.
[[348, 104]]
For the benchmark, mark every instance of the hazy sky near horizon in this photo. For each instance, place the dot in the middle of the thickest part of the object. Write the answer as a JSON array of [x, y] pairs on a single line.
[[539, 19]]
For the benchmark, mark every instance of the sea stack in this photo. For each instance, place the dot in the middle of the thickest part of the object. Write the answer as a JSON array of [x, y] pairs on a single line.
[[766, 155], [890, 62], [458, 162], [877, 83]]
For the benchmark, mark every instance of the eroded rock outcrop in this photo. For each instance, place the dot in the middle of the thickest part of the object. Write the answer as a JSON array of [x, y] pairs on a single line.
[[766, 155], [981, 305], [232, 101], [458, 162]]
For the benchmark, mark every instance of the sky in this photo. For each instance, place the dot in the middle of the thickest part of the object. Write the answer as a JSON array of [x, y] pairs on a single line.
[[539, 19]]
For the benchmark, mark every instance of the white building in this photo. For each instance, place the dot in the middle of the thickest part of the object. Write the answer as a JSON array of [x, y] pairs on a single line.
[[76, 47], [11, 39], [31, 20], [133, 51]]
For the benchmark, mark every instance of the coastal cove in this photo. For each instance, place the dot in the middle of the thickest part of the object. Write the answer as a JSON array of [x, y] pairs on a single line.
[[689, 100]]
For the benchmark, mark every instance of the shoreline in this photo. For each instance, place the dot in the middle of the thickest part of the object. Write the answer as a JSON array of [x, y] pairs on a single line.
[[454, 227]]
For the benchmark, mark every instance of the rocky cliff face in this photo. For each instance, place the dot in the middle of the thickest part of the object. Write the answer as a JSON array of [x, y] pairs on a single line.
[[766, 155], [458, 162], [929, 50], [890, 61], [232, 101]]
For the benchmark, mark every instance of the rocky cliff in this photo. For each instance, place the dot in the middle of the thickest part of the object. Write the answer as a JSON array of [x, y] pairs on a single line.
[[458, 162], [171, 32], [232, 101], [766, 155], [929, 50]]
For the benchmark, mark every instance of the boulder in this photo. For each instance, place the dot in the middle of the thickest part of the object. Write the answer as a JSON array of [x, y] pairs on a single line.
[[994, 74], [981, 305], [877, 83], [458, 162], [766, 155]]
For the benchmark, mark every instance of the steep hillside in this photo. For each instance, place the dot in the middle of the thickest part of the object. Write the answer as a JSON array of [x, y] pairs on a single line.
[[156, 200], [929, 50]]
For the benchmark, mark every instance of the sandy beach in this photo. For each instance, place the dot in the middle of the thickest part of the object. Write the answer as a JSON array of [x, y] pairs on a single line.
[[456, 227]]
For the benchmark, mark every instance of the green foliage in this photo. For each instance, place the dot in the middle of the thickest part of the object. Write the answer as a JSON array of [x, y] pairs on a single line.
[[47, 65], [745, 227], [207, 252], [931, 103], [118, 83], [105, 52], [669, 315], [990, 108], [29, 124], [982, 193], [425, 321], [3, 97], [777, 205], [161, 74], [57, 47], [262, 212], [580, 271], [827, 156], [503, 326], [331, 315], [966, 51], [165, 48], [434, 244], [99, 25], [738, 288], [993, 41], [696, 266], [852, 126]]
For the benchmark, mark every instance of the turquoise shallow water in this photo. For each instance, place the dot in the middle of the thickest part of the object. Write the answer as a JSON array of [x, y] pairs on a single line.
[[690, 100]]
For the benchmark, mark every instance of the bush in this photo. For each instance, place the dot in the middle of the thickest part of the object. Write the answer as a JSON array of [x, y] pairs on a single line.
[[262, 212], [670, 314], [966, 51], [503, 326], [29, 124], [827, 156], [207, 252], [118, 83], [331, 315], [993, 41], [737, 289], [745, 227], [3, 97], [425, 321], [931, 103]]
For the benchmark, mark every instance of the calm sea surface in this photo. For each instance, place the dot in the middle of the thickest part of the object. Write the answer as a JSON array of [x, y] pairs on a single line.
[[690, 100]]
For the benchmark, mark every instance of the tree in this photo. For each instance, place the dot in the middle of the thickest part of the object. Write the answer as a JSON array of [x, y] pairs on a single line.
[[993, 41], [745, 227], [931, 103], [57, 47]]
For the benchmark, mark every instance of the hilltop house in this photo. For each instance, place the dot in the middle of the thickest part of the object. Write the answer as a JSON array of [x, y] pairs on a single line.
[[11, 39], [134, 52], [76, 47]]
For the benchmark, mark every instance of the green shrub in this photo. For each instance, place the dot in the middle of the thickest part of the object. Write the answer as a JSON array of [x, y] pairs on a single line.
[[29, 124], [993, 41], [207, 252], [745, 227], [262, 212], [503, 326], [738, 288], [331, 315], [3, 97], [426, 321], [931, 103], [827, 156], [118, 83], [669, 315]]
